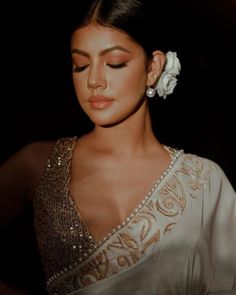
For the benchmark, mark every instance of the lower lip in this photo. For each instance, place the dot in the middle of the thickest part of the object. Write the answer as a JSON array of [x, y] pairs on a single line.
[[100, 105]]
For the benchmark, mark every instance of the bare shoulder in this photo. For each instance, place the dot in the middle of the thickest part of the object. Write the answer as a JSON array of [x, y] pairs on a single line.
[[34, 157], [38, 151], [25, 167], [19, 177]]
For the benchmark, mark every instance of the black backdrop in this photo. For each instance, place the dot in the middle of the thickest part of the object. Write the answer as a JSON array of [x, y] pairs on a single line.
[[38, 103]]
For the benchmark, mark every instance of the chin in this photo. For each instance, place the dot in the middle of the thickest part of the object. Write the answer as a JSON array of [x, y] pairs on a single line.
[[111, 117], [106, 120], [105, 123]]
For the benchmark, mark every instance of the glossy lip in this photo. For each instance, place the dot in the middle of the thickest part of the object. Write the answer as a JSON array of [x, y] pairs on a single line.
[[99, 102]]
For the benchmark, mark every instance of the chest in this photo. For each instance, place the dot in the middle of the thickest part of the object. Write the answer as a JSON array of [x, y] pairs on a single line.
[[106, 195]]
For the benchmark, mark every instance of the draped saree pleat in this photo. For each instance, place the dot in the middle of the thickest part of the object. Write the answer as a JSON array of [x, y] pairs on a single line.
[[181, 239]]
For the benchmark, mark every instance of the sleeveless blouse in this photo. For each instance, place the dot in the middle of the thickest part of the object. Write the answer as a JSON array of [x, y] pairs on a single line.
[[71, 258]]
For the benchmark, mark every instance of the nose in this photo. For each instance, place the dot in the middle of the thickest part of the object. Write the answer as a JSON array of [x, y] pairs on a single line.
[[97, 78]]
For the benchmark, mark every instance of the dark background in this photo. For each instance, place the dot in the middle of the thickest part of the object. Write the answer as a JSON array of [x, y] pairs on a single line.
[[38, 103]]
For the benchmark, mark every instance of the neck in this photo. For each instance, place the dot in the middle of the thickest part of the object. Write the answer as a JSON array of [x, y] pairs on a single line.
[[131, 137]]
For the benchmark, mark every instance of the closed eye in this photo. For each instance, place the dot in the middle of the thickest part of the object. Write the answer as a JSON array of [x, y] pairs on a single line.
[[77, 69], [117, 66]]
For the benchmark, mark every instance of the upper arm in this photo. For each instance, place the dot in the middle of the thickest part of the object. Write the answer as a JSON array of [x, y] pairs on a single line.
[[20, 175]]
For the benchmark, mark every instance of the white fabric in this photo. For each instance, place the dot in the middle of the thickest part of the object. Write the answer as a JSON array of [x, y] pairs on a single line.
[[197, 257]]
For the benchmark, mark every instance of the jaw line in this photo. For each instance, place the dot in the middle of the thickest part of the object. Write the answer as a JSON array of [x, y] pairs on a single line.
[[142, 100]]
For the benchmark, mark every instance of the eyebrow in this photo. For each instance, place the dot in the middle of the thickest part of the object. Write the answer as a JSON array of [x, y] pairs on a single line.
[[103, 52]]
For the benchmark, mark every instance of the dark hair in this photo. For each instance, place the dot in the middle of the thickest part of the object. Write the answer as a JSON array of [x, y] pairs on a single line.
[[146, 22]]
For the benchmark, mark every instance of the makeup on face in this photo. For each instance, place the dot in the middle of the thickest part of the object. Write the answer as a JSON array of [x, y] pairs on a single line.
[[109, 73], [115, 57], [99, 102]]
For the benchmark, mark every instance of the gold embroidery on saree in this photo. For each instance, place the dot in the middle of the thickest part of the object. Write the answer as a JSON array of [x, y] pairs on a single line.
[[170, 201], [63, 231]]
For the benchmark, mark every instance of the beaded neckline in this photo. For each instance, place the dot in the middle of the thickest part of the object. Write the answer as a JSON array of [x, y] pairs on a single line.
[[175, 154]]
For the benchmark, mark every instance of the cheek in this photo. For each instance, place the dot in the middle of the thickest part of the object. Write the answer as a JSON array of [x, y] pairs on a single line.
[[79, 86], [133, 80]]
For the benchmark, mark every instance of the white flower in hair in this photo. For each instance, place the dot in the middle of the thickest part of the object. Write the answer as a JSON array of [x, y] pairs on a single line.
[[167, 80]]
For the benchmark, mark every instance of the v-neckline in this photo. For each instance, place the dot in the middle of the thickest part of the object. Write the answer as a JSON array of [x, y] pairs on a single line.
[[174, 155]]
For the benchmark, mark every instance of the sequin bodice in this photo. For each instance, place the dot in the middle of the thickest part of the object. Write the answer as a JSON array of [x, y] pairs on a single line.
[[66, 246], [62, 237], [167, 231]]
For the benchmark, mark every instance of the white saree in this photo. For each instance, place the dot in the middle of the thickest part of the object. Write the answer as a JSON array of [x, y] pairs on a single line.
[[180, 240]]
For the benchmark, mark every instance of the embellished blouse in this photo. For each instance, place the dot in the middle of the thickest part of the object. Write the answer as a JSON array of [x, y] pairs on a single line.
[[179, 202]]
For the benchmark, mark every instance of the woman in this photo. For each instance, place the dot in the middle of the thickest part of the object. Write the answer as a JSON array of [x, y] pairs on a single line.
[[116, 211]]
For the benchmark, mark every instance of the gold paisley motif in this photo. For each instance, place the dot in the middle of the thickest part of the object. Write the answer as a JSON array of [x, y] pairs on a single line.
[[115, 244], [90, 277], [123, 260], [172, 200], [145, 220], [145, 230], [196, 172], [129, 241], [97, 267]]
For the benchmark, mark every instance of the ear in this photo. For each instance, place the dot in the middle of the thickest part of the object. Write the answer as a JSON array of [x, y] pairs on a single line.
[[155, 67]]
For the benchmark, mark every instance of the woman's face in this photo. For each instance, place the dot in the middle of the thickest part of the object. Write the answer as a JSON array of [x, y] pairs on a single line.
[[109, 73]]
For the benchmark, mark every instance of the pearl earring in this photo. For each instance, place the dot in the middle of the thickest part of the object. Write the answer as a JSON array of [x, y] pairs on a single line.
[[150, 92]]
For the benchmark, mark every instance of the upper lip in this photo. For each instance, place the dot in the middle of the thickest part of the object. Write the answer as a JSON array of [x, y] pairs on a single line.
[[98, 98]]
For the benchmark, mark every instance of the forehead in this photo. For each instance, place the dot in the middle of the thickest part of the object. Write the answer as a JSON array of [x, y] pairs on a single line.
[[94, 36]]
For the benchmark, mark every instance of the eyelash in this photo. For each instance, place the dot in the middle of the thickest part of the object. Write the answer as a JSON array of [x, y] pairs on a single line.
[[115, 66], [79, 69]]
